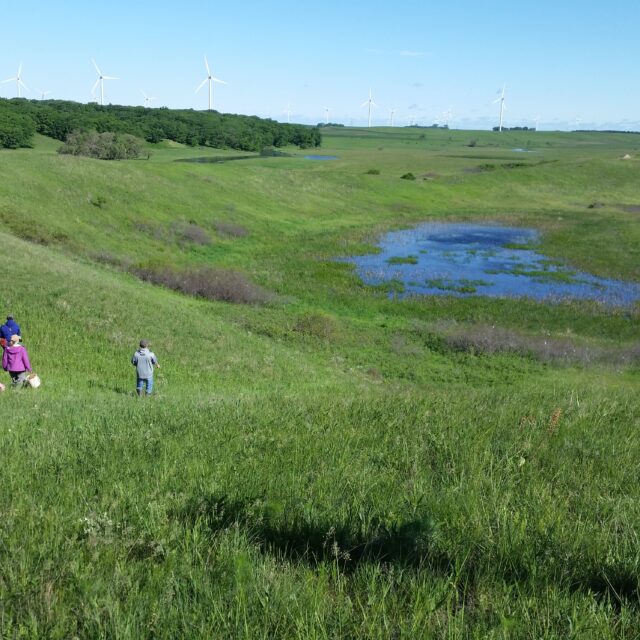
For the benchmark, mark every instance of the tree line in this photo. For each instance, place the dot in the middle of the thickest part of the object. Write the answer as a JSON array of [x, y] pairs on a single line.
[[20, 119]]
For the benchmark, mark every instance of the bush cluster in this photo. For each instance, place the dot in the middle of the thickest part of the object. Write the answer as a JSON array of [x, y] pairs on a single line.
[[231, 230], [317, 324], [179, 232], [212, 283], [104, 146], [491, 339]]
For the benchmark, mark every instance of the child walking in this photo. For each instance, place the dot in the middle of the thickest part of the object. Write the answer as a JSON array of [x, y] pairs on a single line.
[[144, 361], [15, 360]]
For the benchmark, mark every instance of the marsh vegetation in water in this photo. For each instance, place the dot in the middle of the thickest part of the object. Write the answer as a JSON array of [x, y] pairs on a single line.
[[481, 259]]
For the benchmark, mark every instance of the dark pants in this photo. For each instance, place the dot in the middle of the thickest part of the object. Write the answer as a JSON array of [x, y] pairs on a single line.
[[18, 378]]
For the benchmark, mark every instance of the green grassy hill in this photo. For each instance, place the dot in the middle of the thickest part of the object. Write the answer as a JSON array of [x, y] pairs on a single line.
[[325, 464]]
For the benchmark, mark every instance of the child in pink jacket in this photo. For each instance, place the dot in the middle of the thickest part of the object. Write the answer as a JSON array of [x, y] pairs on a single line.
[[15, 360]]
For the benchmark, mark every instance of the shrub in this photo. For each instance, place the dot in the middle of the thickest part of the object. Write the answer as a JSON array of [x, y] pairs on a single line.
[[155, 231], [97, 201], [408, 176], [481, 339], [472, 143], [104, 257], [212, 283], [231, 230], [103, 146], [190, 232], [180, 232], [373, 172], [318, 325]]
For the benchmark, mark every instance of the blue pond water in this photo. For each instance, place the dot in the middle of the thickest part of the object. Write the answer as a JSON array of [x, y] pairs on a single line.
[[321, 157], [474, 259]]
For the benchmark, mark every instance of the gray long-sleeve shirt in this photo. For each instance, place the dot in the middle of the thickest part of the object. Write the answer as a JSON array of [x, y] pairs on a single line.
[[143, 359]]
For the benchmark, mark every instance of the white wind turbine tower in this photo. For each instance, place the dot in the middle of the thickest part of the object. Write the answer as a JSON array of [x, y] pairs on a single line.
[[371, 103], [18, 81], [147, 99], [446, 116], [326, 115], [500, 99], [391, 114], [100, 81], [210, 79], [43, 94], [288, 112]]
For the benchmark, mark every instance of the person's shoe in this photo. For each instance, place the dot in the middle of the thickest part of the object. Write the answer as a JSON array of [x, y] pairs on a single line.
[[140, 393]]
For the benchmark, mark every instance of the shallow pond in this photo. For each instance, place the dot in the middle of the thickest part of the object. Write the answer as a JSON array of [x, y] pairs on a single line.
[[312, 157], [481, 259]]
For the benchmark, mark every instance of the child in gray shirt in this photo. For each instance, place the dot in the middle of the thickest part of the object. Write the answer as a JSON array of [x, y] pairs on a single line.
[[144, 361]]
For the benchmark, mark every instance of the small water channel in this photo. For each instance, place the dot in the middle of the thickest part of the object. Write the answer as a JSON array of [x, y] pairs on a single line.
[[481, 259]]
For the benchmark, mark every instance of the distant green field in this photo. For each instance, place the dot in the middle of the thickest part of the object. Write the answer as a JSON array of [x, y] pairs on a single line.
[[330, 463]]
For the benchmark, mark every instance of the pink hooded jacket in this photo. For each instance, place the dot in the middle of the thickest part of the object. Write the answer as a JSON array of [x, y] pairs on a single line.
[[16, 359]]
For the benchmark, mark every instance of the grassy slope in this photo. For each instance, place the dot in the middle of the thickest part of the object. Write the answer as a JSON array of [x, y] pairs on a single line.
[[501, 490]]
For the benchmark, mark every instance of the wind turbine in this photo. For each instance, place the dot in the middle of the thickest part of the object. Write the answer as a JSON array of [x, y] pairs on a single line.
[[391, 114], [288, 112], [100, 81], [500, 99], [147, 99], [18, 81], [446, 116], [537, 121], [210, 79], [371, 103], [326, 115], [43, 94]]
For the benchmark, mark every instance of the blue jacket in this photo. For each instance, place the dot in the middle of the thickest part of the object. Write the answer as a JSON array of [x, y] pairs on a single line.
[[8, 329]]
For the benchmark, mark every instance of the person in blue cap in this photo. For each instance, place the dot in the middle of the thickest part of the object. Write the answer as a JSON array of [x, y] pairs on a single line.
[[8, 329]]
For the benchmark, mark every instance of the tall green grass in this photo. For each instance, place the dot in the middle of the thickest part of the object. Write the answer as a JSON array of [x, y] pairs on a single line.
[[323, 465]]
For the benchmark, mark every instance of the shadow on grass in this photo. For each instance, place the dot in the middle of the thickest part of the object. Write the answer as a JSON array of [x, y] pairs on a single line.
[[123, 390], [408, 544]]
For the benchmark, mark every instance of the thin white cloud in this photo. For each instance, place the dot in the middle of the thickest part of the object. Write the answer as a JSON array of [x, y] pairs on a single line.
[[404, 53], [407, 53]]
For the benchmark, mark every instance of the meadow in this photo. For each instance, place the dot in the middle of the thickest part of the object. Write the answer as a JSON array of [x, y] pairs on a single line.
[[320, 460]]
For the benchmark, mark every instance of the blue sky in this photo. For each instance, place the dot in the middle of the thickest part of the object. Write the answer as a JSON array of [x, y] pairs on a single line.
[[566, 63]]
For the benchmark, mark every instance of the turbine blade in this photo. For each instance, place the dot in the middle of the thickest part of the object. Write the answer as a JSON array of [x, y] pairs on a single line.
[[9, 80], [201, 84], [109, 78], [364, 104], [144, 94], [218, 81], [93, 89], [96, 66], [23, 85], [19, 70], [206, 64]]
